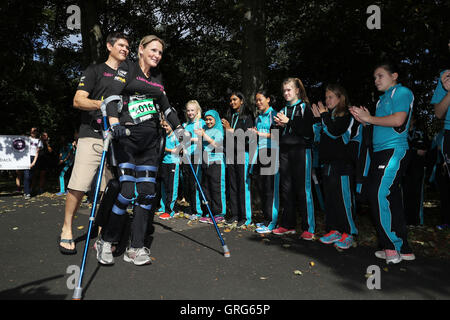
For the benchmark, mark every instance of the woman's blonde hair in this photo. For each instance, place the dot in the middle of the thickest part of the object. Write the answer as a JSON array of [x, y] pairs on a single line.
[[150, 38], [299, 85], [194, 103]]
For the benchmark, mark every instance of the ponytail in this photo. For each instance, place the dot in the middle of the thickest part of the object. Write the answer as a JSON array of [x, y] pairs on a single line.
[[299, 85]]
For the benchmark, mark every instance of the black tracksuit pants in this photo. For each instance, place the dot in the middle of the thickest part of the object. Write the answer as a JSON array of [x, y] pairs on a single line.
[[337, 188], [385, 198], [238, 181], [170, 176], [192, 193], [268, 183], [413, 184], [296, 183], [213, 185]]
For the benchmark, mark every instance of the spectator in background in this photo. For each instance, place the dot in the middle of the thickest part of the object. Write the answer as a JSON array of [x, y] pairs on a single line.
[[193, 122], [19, 177], [439, 177], [46, 161], [169, 173], [213, 166], [441, 102], [388, 162], [336, 122], [266, 172], [237, 161], [35, 147], [413, 180], [66, 157], [295, 121]]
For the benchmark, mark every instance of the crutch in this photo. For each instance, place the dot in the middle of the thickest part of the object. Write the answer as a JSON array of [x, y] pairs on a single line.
[[226, 251], [107, 136]]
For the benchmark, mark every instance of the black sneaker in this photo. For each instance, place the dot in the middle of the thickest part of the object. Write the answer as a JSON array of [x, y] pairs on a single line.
[[231, 220], [241, 224]]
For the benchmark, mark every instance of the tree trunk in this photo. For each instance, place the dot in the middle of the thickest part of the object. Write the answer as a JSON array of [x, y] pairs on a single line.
[[254, 63], [93, 46]]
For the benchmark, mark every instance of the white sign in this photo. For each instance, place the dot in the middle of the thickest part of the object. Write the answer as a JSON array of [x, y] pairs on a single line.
[[14, 152]]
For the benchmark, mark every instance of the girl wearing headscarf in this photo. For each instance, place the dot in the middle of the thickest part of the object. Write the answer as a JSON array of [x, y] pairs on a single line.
[[213, 165]]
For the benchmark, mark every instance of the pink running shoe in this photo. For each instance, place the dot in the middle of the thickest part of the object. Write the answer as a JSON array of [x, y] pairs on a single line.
[[307, 236], [205, 220], [282, 231]]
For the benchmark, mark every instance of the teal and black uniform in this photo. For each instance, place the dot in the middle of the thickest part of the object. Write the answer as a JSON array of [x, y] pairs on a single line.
[[296, 140], [439, 176], [388, 163], [194, 152], [439, 94], [67, 154], [336, 162], [265, 166], [238, 178], [170, 176], [213, 167]]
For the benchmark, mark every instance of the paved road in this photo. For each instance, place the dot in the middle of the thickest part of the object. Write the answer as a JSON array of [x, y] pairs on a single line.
[[188, 264]]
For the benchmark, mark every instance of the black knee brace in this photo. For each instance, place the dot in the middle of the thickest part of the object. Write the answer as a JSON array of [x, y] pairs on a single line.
[[106, 204], [145, 200], [146, 185], [127, 181]]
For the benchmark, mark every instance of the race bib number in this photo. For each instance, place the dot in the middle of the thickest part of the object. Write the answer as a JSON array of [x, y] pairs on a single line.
[[141, 109]]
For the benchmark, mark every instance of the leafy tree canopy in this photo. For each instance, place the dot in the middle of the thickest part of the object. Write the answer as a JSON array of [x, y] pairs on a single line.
[[215, 46]]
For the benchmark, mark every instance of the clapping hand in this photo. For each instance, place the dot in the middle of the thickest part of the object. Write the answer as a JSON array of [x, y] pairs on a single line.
[[318, 109], [226, 124], [361, 114], [281, 119], [199, 132]]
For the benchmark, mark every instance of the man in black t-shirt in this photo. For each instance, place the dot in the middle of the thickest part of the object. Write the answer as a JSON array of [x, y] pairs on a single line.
[[88, 98]]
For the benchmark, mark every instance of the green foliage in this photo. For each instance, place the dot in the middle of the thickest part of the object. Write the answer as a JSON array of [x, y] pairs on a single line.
[[319, 41]]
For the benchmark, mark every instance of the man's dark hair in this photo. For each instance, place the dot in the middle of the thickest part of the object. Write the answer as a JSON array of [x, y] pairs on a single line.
[[113, 37]]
